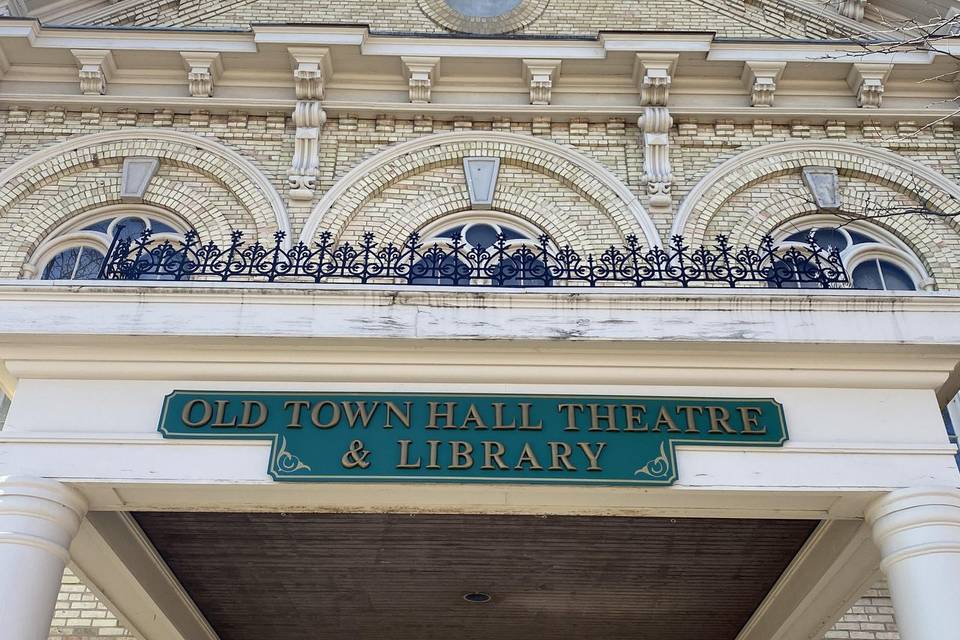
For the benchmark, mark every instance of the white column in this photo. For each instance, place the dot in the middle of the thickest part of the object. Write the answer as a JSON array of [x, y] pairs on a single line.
[[918, 533], [38, 520]]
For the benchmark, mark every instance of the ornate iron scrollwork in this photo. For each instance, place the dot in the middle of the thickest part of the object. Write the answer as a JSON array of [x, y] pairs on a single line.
[[505, 263]]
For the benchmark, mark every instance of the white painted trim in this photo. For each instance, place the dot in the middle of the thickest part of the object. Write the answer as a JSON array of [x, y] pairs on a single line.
[[154, 134], [114, 558], [831, 570], [391, 154], [738, 164]]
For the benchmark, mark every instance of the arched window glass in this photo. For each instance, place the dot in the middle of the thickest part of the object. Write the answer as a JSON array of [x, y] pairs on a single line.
[[77, 251], [881, 274], [478, 259], [873, 259], [74, 263]]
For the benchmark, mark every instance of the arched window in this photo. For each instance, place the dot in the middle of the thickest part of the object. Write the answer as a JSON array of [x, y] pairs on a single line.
[[467, 249], [76, 251], [873, 259]]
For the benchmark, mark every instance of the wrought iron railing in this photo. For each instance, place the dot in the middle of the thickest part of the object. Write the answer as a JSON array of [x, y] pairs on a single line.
[[454, 263]]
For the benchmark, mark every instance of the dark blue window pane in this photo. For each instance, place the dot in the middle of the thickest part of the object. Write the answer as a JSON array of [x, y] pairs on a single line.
[[830, 239], [88, 264], [799, 236], [453, 232], [866, 275], [158, 227], [75, 263], [513, 234], [132, 228], [860, 238], [99, 226], [895, 278], [62, 264], [481, 235]]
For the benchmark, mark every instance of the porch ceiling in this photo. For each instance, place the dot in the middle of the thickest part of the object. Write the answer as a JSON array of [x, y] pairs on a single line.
[[301, 576]]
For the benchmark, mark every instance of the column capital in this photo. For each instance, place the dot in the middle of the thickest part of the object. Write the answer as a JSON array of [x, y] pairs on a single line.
[[41, 513], [915, 521]]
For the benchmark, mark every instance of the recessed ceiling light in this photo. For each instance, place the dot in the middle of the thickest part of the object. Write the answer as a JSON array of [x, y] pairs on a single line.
[[477, 597]]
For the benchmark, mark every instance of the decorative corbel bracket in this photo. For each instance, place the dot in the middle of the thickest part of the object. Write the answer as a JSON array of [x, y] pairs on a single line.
[[654, 75], [421, 72], [96, 70], [761, 78], [203, 71], [539, 75], [4, 63], [867, 81], [852, 9], [311, 69]]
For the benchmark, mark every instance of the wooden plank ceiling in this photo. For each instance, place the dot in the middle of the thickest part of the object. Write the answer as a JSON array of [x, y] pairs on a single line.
[[272, 576]]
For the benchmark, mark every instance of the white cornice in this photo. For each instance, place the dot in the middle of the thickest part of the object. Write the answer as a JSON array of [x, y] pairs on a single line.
[[843, 53], [519, 113]]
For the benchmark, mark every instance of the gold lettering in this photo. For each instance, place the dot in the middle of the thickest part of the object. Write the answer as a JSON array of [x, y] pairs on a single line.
[[571, 410], [185, 416], [664, 419], [220, 422], [610, 417], [527, 456], [592, 457], [490, 456], [296, 406], [525, 419], [691, 418], [334, 414], [248, 405], [434, 448], [473, 417], [435, 415], [405, 456], [719, 420], [460, 457], [560, 453], [635, 413], [750, 421], [403, 417], [498, 418], [359, 410]]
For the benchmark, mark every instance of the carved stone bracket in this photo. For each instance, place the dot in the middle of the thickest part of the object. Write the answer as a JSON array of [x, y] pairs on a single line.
[[761, 79], [203, 70], [654, 75], [540, 74], [867, 80], [421, 73], [311, 69], [96, 69]]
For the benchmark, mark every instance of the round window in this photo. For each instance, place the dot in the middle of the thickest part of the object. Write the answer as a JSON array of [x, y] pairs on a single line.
[[483, 8]]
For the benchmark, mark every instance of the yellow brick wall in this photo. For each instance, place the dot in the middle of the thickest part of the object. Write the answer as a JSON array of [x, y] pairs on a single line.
[[81, 616]]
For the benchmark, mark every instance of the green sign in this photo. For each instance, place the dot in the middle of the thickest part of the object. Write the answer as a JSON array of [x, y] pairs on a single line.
[[467, 438]]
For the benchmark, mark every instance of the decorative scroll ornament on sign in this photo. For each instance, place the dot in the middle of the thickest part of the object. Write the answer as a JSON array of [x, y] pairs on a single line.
[[473, 438]]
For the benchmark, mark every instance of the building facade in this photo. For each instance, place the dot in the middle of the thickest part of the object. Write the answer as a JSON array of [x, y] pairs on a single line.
[[229, 230]]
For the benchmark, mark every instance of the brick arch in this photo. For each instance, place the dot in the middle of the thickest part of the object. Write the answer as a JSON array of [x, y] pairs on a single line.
[[584, 176], [707, 198], [927, 239], [251, 188], [194, 210], [441, 203]]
